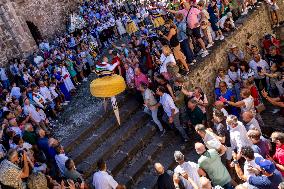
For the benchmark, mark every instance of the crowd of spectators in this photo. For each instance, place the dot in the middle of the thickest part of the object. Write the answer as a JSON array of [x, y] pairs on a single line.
[[154, 60]]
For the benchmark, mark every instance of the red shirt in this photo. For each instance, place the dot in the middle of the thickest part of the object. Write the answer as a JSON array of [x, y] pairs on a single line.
[[279, 156], [254, 94]]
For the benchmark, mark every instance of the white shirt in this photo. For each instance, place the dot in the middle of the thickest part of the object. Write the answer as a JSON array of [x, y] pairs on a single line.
[[53, 92], [254, 66], [233, 75], [245, 75], [102, 180], [45, 93], [38, 60], [252, 164], [249, 104], [191, 169], [165, 61], [30, 110], [226, 80], [238, 137], [168, 104], [3, 74], [16, 92], [211, 142], [60, 161]]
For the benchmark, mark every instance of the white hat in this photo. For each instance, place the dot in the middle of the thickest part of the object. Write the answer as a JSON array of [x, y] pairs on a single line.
[[233, 46]]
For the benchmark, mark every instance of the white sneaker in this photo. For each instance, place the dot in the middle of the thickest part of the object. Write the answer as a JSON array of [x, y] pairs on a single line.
[[194, 61], [245, 12], [205, 53], [200, 52], [222, 37], [209, 45], [217, 38]]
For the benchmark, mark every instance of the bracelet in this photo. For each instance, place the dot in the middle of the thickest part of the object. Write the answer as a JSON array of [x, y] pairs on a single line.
[[235, 161]]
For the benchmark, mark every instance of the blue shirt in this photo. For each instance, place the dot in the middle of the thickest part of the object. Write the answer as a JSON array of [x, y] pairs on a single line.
[[226, 95], [263, 182], [181, 34]]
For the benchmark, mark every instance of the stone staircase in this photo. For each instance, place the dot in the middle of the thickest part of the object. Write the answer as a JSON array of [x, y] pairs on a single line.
[[130, 149]]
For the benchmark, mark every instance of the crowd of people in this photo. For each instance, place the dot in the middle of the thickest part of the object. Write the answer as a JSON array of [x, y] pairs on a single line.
[[159, 44]]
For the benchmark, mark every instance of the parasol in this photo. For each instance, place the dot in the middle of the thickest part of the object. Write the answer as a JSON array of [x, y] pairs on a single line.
[[109, 87]]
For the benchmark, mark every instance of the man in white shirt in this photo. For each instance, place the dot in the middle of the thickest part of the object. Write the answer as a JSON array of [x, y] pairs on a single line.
[[15, 91], [30, 110], [171, 112], [188, 169], [259, 67], [44, 91], [149, 100], [238, 134], [102, 180], [210, 139], [60, 158]]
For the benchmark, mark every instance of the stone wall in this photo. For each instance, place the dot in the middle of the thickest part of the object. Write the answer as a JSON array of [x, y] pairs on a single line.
[[49, 16], [250, 29]]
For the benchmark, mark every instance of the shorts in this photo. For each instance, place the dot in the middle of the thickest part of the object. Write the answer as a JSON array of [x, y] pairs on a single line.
[[196, 32]]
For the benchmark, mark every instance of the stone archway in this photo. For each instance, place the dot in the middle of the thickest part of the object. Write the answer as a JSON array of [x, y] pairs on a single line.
[[34, 31]]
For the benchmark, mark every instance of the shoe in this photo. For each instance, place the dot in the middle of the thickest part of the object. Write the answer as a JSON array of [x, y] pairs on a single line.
[[222, 37], [245, 12], [209, 45], [64, 103], [200, 52], [194, 61], [274, 111], [205, 53], [217, 38]]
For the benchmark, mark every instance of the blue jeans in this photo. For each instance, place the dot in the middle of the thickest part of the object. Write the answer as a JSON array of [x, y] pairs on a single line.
[[228, 186], [187, 50], [154, 114]]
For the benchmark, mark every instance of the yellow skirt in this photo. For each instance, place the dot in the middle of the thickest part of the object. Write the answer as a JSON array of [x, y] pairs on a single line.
[[159, 21], [131, 27], [107, 86]]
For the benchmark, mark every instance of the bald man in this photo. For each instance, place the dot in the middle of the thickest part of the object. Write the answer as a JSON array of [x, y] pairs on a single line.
[[165, 180], [210, 162], [250, 121]]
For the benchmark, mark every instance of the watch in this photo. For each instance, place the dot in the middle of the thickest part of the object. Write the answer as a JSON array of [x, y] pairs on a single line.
[[235, 161]]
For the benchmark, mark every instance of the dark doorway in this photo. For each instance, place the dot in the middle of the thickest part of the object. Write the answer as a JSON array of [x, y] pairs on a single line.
[[34, 31]]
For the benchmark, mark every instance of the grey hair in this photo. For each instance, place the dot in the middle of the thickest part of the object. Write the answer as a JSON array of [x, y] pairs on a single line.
[[178, 156], [11, 154]]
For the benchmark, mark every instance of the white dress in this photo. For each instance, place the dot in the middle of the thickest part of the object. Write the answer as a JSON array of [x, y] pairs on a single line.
[[120, 27], [66, 78]]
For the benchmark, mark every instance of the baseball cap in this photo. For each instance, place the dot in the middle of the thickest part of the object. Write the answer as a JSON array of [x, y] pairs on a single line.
[[265, 164]]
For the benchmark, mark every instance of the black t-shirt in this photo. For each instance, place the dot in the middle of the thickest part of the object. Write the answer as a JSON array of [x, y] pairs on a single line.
[[277, 59], [165, 181]]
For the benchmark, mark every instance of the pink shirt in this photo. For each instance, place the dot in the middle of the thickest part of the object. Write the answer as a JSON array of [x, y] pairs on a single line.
[[192, 18], [139, 79]]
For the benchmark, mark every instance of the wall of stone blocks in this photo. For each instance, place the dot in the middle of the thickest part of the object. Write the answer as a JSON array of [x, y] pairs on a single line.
[[49, 16], [250, 29]]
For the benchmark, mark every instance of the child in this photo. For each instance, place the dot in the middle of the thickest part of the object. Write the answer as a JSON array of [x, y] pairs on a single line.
[[274, 13], [205, 25]]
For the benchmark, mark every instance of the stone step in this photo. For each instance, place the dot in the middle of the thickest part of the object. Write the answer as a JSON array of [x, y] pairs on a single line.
[[130, 148], [100, 133], [149, 179], [145, 159], [70, 142], [109, 146]]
